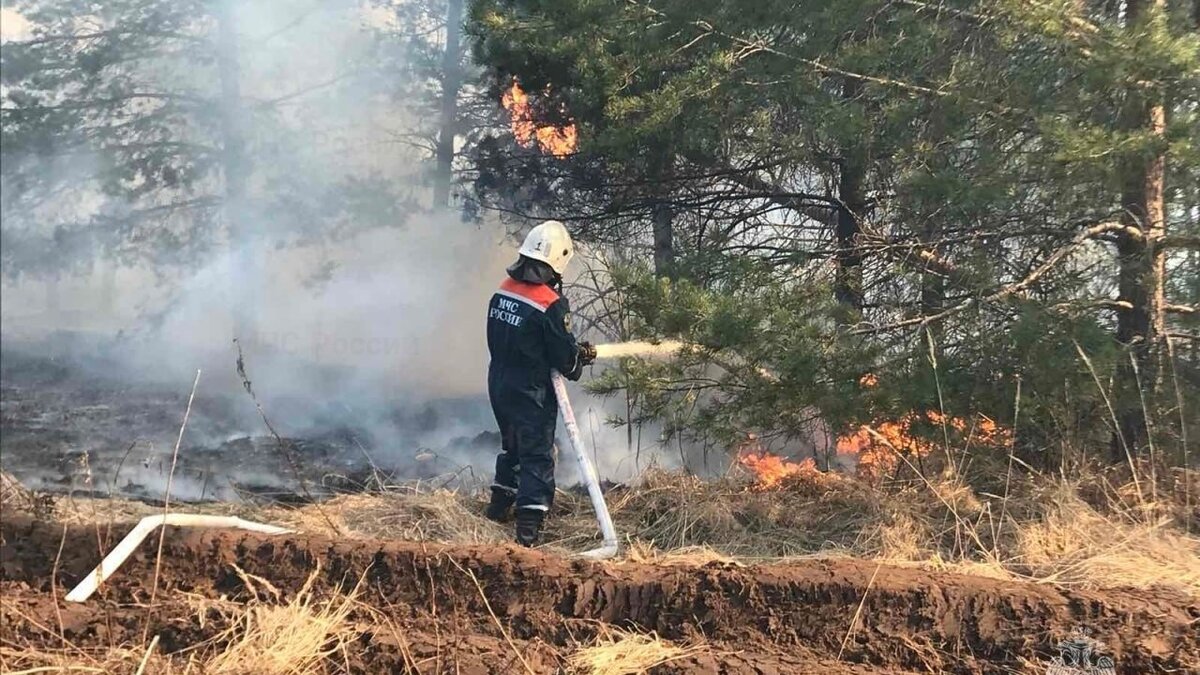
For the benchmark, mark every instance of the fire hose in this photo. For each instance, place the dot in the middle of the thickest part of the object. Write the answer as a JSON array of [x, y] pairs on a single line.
[[607, 351], [145, 526], [610, 544]]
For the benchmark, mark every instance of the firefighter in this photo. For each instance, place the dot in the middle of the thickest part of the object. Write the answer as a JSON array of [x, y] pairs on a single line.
[[529, 334]]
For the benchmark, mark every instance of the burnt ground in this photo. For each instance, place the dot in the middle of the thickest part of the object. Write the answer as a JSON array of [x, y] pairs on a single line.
[[75, 424], [776, 618]]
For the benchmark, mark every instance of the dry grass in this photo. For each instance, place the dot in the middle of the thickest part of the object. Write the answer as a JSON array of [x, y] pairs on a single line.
[[32, 659], [441, 516], [1050, 533], [32, 643], [620, 652], [1091, 533], [1073, 544], [299, 637], [74, 510], [306, 635], [639, 552], [670, 511], [438, 516], [11, 491], [903, 539], [16, 498]]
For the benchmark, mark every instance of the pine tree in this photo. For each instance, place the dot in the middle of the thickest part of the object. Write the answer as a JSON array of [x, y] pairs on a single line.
[[961, 177]]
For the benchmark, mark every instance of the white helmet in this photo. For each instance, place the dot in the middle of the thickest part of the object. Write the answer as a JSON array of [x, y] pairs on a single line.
[[550, 243]]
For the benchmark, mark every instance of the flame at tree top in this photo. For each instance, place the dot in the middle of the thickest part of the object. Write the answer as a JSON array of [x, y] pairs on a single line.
[[557, 141]]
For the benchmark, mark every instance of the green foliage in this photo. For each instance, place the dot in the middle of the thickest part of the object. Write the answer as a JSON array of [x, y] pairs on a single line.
[[984, 137]]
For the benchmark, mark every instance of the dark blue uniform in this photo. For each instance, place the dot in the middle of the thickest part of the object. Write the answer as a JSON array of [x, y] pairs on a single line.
[[529, 334]]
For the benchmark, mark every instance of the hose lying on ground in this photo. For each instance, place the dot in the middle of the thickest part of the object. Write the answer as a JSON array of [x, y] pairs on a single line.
[[145, 526]]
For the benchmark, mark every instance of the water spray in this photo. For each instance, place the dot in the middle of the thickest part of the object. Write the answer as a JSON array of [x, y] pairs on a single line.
[[616, 350], [666, 349]]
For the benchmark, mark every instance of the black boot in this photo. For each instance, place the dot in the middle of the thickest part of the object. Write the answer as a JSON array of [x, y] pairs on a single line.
[[499, 509], [529, 526]]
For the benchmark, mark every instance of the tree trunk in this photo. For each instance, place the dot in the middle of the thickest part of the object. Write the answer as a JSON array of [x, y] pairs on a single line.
[[933, 287], [1155, 206], [852, 202], [662, 215], [447, 126], [664, 240], [244, 276], [1141, 257]]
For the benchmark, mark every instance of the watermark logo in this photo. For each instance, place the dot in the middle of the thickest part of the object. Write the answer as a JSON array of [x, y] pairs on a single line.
[[1081, 654]]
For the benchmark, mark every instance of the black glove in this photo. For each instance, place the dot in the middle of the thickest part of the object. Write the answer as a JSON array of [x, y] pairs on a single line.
[[587, 353]]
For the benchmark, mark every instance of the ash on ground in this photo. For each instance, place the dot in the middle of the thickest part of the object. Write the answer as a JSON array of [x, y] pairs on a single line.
[[69, 424]]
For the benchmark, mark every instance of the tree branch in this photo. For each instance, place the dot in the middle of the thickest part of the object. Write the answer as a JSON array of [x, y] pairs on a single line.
[[1007, 291], [82, 37], [1179, 241]]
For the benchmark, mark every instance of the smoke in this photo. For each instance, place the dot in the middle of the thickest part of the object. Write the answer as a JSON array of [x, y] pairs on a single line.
[[401, 307], [377, 328]]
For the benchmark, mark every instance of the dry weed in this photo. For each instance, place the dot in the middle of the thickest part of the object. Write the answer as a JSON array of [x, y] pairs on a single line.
[[16, 498], [32, 644], [264, 636], [1090, 533], [620, 652], [294, 638], [903, 539], [673, 511], [35, 659], [12, 493], [441, 515], [640, 552], [1073, 544]]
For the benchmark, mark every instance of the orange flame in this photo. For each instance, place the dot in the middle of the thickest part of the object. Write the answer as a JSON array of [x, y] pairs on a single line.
[[557, 141], [771, 470], [878, 446]]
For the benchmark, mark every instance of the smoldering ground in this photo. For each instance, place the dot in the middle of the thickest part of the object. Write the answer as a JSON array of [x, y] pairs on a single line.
[[383, 364]]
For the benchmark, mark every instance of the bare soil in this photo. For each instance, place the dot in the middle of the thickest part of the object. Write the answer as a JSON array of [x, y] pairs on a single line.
[[428, 615]]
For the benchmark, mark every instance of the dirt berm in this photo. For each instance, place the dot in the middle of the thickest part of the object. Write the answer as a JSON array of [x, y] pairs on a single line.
[[792, 617]]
